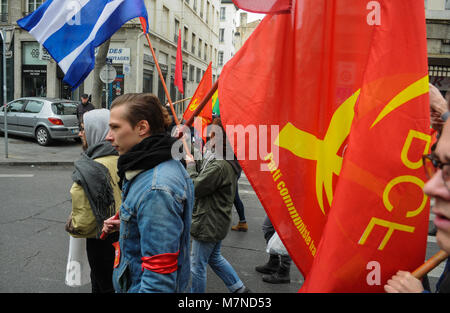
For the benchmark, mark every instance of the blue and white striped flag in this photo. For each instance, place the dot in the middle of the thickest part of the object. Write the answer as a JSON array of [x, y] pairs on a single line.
[[70, 30]]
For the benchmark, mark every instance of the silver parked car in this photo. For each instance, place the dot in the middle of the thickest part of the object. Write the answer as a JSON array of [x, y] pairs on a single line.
[[42, 118]]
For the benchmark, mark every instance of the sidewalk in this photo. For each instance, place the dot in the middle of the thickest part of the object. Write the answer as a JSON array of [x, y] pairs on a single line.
[[26, 151]]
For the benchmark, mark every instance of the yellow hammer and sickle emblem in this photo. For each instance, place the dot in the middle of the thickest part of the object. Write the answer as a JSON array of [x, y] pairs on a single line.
[[194, 105], [307, 146]]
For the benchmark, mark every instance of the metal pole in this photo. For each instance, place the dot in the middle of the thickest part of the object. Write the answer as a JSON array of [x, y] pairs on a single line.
[[106, 95], [107, 85], [3, 32]]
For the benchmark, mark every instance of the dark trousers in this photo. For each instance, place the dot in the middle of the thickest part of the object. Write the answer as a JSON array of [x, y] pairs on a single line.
[[238, 203], [269, 230], [101, 255]]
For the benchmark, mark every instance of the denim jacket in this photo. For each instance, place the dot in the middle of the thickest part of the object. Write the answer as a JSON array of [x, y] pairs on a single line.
[[155, 220]]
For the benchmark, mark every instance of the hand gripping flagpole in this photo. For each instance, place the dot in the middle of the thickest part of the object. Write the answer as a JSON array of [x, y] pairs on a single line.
[[429, 265]]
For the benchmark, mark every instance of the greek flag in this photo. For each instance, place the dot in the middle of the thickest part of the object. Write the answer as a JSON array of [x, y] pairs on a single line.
[[71, 29]]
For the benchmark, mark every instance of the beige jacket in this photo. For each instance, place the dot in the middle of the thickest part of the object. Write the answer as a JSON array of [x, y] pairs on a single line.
[[82, 224]]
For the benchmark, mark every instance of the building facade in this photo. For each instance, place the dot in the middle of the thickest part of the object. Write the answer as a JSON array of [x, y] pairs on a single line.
[[32, 73], [438, 42], [245, 29], [227, 31], [209, 34]]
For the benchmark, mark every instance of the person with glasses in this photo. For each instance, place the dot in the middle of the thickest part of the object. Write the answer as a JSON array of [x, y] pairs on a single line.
[[437, 167]]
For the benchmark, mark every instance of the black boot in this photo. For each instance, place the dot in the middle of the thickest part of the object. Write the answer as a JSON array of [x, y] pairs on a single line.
[[271, 266], [282, 275]]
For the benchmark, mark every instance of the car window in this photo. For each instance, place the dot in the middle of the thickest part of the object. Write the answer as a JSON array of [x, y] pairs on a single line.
[[16, 106], [64, 108], [34, 106]]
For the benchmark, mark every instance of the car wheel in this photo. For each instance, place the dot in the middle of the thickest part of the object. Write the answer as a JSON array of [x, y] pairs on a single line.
[[43, 136]]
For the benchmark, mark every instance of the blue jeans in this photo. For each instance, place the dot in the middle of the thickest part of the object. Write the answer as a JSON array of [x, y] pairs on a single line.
[[204, 253]]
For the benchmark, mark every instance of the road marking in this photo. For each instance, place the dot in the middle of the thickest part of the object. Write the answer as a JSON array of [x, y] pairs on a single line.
[[15, 175]]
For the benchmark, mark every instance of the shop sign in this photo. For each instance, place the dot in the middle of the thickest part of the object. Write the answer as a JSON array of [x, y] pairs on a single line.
[[118, 55]]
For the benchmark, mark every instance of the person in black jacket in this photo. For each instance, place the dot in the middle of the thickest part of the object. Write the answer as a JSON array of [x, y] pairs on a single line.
[[84, 106]]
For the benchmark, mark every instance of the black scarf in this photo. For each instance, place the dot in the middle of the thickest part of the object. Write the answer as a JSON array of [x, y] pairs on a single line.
[[147, 154], [95, 180]]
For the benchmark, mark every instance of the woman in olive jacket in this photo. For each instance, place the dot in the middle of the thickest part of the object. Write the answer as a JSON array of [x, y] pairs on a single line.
[[215, 182]]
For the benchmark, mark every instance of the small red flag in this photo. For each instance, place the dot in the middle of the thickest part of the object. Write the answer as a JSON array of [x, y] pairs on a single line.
[[206, 114], [179, 66], [264, 6]]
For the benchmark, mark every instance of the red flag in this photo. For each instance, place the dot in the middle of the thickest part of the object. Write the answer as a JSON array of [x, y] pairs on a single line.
[[341, 178], [179, 66], [264, 6], [206, 114]]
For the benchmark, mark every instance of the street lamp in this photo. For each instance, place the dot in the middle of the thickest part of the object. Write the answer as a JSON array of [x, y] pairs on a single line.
[[7, 35]]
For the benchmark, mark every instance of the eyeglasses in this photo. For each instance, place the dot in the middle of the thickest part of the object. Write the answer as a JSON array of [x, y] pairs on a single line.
[[431, 163]]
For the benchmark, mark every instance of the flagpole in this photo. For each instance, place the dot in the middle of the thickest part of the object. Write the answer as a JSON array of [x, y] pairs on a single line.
[[434, 261], [181, 100], [161, 77]]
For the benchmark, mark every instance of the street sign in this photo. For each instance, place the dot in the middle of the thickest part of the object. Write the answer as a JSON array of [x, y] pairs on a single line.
[[108, 74]]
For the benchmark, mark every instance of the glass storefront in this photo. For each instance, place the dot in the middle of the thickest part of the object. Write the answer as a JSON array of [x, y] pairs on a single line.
[[161, 92], [116, 88], [34, 71], [148, 81], [65, 90], [34, 81]]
